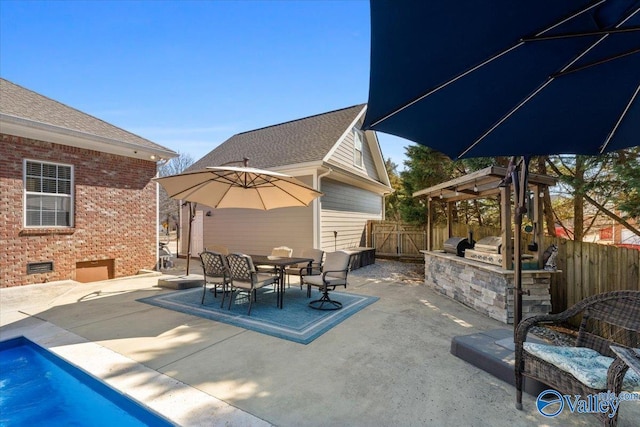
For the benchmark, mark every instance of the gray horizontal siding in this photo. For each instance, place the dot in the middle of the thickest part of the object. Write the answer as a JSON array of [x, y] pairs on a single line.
[[344, 157], [346, 210], [343, 197]]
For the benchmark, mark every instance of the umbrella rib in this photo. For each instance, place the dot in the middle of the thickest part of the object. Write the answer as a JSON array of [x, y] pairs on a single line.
[[505, 117], [264, 206], [568, 18], [617, 125], [545, 84], [251, 183], [445, 84], [195, 186], [566, 70], [517, 107], [600, 62], [583, 34], [224, 194], [476, 67], [233, 181], [520, 104], [290, 194]]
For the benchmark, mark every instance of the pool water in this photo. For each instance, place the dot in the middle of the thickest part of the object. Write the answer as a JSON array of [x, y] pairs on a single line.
[[39, 388]]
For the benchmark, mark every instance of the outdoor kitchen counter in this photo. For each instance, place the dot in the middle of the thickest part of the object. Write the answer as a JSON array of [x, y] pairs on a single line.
[[486, 288]]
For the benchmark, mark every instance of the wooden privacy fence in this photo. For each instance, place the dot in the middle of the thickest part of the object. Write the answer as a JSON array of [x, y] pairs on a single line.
[[585, 269], [398, 239], [589, 269]]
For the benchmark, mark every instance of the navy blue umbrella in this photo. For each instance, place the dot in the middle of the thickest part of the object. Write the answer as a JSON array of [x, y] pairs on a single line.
[[476, 78]]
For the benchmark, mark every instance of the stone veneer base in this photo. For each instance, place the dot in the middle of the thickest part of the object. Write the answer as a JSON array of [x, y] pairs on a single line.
[[486, 288]]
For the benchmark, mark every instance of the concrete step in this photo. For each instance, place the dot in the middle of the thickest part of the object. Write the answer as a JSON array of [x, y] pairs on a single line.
[[493, 351]]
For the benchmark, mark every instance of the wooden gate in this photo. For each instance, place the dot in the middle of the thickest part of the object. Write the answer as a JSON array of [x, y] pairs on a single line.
[[397, 239]]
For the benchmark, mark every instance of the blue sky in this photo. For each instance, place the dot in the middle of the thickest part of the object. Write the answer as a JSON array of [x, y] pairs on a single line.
[[190, 74]]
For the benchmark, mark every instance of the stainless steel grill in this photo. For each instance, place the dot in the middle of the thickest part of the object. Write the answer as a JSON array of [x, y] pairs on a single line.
[[487, 249], [457, 245], [491, 244]]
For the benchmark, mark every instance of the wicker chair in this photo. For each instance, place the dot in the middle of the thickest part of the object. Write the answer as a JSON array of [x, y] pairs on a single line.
[[608, 318]]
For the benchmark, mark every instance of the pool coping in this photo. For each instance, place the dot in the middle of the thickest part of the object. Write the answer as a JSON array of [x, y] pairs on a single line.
[[177, 402]]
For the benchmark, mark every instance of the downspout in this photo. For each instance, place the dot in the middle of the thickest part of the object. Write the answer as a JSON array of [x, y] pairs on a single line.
[[157, 225], [384, 204], [384, 217], [317, 214], [159, 164]]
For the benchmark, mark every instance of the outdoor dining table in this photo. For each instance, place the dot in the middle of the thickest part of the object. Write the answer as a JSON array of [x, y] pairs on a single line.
[[281, 263]]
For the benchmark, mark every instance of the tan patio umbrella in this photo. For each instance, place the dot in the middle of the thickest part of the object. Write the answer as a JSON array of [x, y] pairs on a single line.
[[237, 187]]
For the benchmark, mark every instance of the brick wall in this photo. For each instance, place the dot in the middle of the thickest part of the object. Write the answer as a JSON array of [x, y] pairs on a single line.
[[485, 288], [114, 213]]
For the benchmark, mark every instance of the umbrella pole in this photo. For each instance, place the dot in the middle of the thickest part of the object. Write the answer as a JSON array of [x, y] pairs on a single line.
[[191, 216], [521, 209], [517, 255]]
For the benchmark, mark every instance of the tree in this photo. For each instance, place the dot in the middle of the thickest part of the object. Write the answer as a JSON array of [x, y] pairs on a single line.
[[483, 212], [169, 209], [627, 167], [392, 201], [176, 165], [426, 168], [606, 183]]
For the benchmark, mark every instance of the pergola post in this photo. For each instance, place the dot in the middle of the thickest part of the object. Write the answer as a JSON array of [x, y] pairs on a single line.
[[505, 227]]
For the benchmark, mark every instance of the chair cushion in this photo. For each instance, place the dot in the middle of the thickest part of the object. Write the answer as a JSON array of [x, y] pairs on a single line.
[[587, 365], [317, 280], [262, 280], [265, 279]]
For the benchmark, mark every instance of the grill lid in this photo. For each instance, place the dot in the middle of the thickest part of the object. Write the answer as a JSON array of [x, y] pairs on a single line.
[[457, 245], [491, 244]]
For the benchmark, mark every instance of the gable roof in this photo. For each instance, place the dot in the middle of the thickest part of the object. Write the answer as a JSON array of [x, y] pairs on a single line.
[[37, 115], [304, 140]]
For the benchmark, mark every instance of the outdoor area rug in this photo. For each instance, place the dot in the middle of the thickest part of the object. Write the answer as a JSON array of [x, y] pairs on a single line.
[[295, 322]]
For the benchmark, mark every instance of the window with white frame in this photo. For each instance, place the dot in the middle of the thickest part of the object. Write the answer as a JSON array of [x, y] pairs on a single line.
[[48, 194], [358, 154]]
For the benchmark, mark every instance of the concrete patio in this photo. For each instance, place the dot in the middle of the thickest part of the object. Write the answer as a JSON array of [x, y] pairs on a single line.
[[387, 365]]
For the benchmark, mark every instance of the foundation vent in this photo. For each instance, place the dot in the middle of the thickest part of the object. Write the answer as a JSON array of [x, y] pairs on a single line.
[[40, 267]]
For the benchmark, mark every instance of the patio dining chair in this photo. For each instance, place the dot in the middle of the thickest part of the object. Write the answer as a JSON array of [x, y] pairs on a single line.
[[219, 248], [334, 273], [244, 278], [215, 272], [280, 252], [314, 268]]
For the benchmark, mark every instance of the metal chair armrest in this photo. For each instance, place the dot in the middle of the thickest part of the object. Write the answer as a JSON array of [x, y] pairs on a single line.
[[306, 271], [324, 273]]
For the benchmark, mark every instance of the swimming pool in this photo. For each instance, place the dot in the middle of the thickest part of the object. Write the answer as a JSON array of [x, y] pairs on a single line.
[[38, 388]]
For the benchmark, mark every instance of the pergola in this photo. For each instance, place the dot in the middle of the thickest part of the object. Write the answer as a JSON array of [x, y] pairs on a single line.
[[487, 183]]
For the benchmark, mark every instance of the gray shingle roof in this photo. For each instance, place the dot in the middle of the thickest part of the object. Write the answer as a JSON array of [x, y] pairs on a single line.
[[298, 141], [23, 103]]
